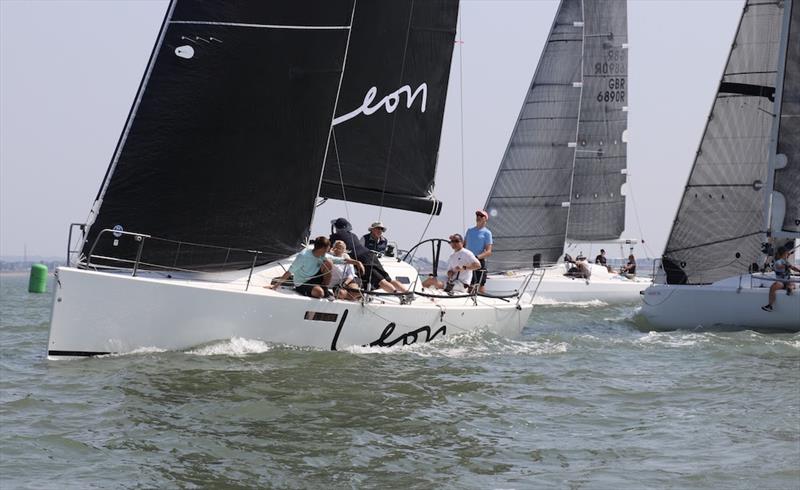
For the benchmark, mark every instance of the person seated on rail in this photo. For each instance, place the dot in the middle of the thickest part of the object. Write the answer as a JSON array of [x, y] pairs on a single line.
[[629, 269], [601, 260], [374, 273], [459, 267], [345, 283], [311, 270], [783, 272], [580, 268]]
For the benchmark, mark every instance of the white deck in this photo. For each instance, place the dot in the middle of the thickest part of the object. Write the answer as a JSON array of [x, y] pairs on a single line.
[[555, 287]]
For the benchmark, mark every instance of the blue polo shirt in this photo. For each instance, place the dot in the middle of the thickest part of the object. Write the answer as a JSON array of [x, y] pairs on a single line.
[[477, 239], [306, 265]]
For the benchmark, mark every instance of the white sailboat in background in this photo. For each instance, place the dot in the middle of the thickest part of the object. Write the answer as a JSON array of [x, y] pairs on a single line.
[[213, 184], [562, 174], [742, 200]]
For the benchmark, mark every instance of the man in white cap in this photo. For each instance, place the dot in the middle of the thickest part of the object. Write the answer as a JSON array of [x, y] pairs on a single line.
[[374, 240]]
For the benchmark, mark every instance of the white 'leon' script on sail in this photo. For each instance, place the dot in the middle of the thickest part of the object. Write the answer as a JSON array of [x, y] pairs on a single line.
[[391, 102]]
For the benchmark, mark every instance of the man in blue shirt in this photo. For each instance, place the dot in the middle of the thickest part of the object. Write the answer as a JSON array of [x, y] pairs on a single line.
[[311, 269], [479, 242]]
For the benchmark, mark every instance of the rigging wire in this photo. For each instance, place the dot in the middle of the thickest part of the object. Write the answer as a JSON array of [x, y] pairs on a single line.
[[341, 177], [638, 222], [461, 113], [394, 119]]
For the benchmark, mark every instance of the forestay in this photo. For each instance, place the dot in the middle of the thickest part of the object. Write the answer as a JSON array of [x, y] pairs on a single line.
[[385, 138], [228, 130], [719, 227]]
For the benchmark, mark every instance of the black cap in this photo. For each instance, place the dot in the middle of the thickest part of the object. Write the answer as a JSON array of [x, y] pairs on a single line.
[[341, 223]]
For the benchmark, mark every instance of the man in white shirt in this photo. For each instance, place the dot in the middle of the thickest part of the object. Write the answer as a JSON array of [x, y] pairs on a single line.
[[459, 266]]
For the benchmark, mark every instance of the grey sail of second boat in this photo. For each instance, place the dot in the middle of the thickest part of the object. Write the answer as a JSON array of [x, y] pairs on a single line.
[[562, 174]]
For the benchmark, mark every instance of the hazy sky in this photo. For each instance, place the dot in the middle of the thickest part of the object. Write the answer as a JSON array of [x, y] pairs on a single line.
[[69, 71]]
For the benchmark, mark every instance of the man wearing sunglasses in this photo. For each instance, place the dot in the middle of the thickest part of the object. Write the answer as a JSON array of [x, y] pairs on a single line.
[[459, 267]]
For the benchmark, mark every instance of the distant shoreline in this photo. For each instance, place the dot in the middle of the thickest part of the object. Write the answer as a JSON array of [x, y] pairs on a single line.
[[22, 273]]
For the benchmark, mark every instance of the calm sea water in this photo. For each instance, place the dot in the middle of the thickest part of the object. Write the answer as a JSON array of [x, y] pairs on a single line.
[[582, 400]]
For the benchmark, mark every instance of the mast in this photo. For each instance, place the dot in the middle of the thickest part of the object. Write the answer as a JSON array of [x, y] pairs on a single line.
[[574, 144], [776, 124], [782, 211]]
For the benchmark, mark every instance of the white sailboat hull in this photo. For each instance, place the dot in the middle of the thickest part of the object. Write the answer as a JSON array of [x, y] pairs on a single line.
[[555, 287], [719, 306], [100, 312]]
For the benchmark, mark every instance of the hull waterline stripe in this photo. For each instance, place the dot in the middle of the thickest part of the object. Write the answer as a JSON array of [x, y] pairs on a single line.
[[260, 26], [75, 353]]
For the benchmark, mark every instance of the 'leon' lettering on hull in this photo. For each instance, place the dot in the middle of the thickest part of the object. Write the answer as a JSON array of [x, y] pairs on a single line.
[[424, 333]]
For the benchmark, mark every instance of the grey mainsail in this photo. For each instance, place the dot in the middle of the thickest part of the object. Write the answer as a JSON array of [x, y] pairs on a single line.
[[787, 178], [533, 181], [597, 206], [567, 141], [719, 227]]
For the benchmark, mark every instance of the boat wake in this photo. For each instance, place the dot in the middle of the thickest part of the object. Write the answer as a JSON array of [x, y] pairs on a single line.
[[594, 303], [469, 345], [234, 347]]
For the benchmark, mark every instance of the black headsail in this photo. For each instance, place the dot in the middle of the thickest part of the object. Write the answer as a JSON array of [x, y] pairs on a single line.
[[226, 140], [389, 115]]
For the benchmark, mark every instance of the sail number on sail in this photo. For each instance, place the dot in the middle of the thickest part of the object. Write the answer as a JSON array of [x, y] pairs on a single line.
[[615, 92], [614, 65]]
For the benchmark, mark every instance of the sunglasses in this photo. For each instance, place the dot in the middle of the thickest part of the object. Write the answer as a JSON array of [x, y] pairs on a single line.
[[455, 241]]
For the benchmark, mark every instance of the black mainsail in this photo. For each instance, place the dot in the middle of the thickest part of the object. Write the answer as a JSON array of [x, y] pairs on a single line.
[[720, 225], [561, 174], [385, 138], [226, 141]]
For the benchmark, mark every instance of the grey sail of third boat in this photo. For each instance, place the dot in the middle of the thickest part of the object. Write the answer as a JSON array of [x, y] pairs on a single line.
[[750, 147], [562, 171]]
